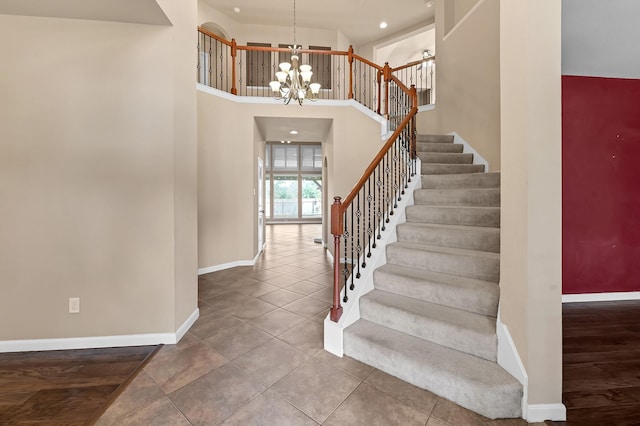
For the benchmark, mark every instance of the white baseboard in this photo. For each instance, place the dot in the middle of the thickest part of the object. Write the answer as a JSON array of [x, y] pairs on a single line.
[[99, 341], [186, 325], [228, 265], [468, 149], [600, 297], [542, 412]]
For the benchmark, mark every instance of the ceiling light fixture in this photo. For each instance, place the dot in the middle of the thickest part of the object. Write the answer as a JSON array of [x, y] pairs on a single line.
[[383, 25], [294, 80], [428, 3], [293, 132], [236, 10]]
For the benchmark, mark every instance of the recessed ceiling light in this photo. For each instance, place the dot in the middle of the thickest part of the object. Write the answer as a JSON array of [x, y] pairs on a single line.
[[383, 25], [428, 3], [236, 10], [293, 132]]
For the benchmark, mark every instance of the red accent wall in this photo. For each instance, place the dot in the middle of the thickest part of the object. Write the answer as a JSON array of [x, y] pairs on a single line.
[[601, 184]]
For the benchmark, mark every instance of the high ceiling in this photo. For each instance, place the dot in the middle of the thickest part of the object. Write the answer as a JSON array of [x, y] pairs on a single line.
[[357, 19]]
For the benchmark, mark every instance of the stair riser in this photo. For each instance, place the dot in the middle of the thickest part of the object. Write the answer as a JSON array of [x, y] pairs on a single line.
[[470, 239], [445, 158], [439, 147], [458, 197], [464, 340], [444, 169], [478, 267], [469, 180], [435, 138], [500, 402], [481, 300], [453, 215]]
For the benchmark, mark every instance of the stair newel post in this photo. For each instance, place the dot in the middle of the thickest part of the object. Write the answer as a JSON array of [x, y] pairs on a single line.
[[350, 58], [387, 79], [234, 53], [337, 229]]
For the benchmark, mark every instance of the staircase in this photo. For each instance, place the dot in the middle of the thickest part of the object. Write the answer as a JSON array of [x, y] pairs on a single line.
[[431, 318]]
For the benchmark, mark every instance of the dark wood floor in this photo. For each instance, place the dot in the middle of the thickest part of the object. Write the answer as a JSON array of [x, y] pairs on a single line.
[[65, 387], [601, 363]]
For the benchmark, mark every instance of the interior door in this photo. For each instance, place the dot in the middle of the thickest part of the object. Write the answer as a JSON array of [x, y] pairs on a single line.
[[260, 204]]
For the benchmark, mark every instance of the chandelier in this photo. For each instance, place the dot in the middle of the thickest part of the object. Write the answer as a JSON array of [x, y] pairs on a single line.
[[294, 80]]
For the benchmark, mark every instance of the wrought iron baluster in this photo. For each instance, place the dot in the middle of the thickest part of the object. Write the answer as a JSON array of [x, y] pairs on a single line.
[[345, 270], [379, 220], [359, 246], [352, 248], [369, 229]]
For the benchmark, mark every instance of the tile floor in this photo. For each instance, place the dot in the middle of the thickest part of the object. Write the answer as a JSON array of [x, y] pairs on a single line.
[[255, 356]]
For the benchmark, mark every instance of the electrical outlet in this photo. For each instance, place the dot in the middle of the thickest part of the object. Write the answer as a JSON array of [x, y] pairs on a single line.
[[74, 305]]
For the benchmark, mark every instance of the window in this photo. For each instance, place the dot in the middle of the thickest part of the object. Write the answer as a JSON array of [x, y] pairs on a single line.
[[258, 66], [293, 181], [321, 66]]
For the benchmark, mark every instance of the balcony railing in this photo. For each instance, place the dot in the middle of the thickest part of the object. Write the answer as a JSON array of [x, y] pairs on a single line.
[[344, 75]]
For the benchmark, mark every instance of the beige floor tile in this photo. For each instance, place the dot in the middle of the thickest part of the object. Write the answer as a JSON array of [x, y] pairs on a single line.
[[307, 336], [172, 369], [281, 297], [161, 413], [347, 364], [316, 388], [141, 392], [457, 415], [251, 309], [277, 322], [305, 287], [215, 396], [212, 324], [307, 306], [269, 409], [283, 281], [271, 361], [369, 406], [419, 399], [235, 341]]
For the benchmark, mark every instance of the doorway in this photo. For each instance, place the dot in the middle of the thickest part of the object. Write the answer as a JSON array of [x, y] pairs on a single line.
[[293, 182]]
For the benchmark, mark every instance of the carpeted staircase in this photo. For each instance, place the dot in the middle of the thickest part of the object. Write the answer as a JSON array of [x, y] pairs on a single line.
[[431, 318]]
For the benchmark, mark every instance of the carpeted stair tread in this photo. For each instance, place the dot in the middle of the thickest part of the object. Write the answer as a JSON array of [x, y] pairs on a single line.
[[487, 197], [445, 158], [435, 138], [464, 180], [443, 169], [447, 260], [466, 237], [472, 382], [454, 215], [455, 291], [454, 328], [438, 147]]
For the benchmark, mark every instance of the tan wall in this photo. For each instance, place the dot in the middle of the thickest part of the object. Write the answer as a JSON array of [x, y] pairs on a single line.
[[531, 260], [183, 15], [468, 80], [227, 167], [86, 177]]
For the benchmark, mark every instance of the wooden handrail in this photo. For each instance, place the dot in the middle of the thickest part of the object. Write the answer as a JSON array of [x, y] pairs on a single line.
[[368, 62], [376, 160], [410, 64], [212, 35]]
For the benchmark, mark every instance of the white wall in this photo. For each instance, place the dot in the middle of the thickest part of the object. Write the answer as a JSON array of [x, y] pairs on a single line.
[[96, 175], [227, 210], [601, 38]]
